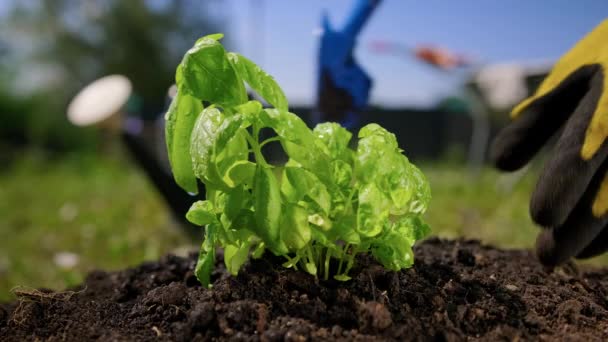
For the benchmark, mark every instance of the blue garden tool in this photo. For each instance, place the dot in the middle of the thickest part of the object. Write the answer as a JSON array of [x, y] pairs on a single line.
[[343, 86]]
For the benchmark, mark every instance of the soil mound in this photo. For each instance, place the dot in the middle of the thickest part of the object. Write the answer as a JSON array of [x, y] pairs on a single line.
[[456, 290]]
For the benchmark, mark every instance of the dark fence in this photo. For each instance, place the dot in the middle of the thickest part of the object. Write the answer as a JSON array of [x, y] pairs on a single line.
[[422, 133]]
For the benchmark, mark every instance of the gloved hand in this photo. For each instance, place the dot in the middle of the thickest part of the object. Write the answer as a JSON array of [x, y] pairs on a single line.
[[571, 197]]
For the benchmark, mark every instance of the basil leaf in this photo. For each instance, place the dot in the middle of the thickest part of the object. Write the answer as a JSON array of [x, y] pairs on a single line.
[[267, 207], [336, 138], [422, 195], [235, 256], [237, 200], [204, 266], [299, 183], [373, 210], [342, 173], [231, 151], [295, 231], [180, 119], [288, 126], [208, 74], [241, 171], [394, 251], [206, 257], [213, 36], [249, 109], [245, 220], [342, 230], [202, 141], [413, 226], [201, 213], [259, 80]]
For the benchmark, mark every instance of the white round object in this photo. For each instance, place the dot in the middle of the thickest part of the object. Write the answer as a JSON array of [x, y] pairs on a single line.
[[172, 91], [99, 100]]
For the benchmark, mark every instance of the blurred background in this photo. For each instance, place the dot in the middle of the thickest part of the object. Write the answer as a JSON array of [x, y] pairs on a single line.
[[445, 75]]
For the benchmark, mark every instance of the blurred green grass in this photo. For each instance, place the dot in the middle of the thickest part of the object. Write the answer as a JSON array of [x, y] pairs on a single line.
[[485, 205], [104, 211], [488, 205]]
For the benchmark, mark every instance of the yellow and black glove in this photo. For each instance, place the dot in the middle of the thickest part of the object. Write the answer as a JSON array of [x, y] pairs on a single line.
[[571, 196]]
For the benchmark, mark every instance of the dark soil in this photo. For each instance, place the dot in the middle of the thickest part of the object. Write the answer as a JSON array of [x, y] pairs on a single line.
[[457, 290]]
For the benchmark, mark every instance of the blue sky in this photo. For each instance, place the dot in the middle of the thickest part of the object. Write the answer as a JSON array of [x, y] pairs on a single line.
[[490, 31]]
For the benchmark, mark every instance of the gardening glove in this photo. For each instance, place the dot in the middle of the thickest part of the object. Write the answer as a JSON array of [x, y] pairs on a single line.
[[571, 197]]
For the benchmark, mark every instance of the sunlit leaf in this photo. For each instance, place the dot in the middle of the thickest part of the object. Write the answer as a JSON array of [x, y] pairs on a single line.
[[180, 119], [259, 80]]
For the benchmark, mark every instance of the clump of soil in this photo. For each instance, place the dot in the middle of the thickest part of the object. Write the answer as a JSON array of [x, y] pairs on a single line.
[[456, 290]]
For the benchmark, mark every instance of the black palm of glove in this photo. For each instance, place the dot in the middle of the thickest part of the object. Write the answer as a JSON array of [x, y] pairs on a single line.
[[571, 197]]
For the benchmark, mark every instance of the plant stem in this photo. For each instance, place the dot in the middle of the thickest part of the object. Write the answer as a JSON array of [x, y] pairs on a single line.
[[293, 261], [344, 256], [351, 261], [327, 258], [269, 140], [255, 145]]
